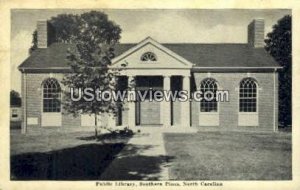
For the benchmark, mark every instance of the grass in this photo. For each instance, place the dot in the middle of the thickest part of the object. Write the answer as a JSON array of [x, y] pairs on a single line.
[[62, 155], [230, 156], [53, 155]]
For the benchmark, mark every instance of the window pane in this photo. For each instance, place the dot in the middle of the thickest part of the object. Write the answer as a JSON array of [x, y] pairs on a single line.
[[209, 85], [51, 96], [148, 56], [248, 95]]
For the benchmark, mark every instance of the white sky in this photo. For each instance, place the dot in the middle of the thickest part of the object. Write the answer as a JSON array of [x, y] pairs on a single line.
[[165, 26]]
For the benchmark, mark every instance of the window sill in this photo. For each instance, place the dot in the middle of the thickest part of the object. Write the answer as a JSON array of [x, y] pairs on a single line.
[[209, 113], [248, 113]]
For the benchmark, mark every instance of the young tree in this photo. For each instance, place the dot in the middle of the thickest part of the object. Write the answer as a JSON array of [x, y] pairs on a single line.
[[279, 45], [89, 61]]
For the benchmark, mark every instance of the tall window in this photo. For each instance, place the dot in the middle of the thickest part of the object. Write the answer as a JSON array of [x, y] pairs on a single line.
[[209, 87], [51, 95], [248, 95], [148, 56]]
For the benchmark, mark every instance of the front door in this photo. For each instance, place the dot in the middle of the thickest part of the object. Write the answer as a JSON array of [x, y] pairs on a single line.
[[148, 113]]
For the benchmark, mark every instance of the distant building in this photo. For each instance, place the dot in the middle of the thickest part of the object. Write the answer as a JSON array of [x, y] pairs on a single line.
[[15, 113]]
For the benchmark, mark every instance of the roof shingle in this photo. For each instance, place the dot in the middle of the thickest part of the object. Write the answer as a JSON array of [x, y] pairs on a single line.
[[202, 55]]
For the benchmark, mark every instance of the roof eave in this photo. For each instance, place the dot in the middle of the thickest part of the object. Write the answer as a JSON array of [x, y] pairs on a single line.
[[44, 70], [268, 68]]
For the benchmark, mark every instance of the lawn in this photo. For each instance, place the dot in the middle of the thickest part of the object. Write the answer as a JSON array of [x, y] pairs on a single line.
[[62, 156], [229, 156]]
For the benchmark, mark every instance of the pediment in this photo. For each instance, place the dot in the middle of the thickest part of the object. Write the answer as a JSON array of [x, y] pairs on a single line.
[[141, 56]]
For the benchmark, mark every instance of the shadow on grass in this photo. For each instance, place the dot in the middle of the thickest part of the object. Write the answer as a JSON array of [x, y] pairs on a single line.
[[106, 136], [95, 161], [82, 162]]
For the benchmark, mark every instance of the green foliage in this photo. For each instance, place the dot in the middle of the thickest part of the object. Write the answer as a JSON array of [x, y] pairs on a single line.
[[15, 99], [279, 45], [34, 42], [89, 61], [126, 132], [65, 27]]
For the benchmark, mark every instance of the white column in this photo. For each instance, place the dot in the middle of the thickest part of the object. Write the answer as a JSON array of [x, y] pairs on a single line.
[[166, 105], [185, 106], [131, 105]]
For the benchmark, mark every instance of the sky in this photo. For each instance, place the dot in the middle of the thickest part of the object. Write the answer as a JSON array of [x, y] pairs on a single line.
[[163, 25]]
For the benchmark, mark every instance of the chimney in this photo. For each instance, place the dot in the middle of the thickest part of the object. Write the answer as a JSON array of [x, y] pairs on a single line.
[[256, 33], [44, 33]]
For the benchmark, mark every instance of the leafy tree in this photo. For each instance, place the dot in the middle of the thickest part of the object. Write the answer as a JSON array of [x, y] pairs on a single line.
[[279, 45], [34, 42], [65, 26], [15, 99], [89, 61]]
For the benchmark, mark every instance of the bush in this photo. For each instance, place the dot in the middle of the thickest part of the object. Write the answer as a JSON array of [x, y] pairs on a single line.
[[126, 132]]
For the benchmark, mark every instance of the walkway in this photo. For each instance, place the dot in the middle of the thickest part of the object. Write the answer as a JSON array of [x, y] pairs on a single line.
[[143, 158]]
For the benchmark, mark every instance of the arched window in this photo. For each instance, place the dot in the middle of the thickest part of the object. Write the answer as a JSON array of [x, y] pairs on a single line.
[[148, 56], [51, 95], [209, 87], [248, 95]]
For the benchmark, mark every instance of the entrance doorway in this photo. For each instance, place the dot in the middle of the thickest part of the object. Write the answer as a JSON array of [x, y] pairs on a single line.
[[148, 111]]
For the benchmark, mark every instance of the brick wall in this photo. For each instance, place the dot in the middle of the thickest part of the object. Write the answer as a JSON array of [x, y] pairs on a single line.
[[228, 111], [45, 34], [256, 33], [34, 99]]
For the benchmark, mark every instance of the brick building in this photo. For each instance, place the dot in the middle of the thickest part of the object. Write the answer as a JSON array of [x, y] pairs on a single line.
[[247, 71]]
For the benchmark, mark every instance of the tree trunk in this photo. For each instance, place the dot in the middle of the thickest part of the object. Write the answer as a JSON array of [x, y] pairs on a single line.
[[96, 126]]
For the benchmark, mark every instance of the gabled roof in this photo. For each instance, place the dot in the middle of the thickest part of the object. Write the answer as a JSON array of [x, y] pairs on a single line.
[[201, 55], [224, 55], [151, 41], [52, 57]]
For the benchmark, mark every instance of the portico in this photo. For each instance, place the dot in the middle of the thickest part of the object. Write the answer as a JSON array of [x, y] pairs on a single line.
[[150, 62], [153, 113]]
